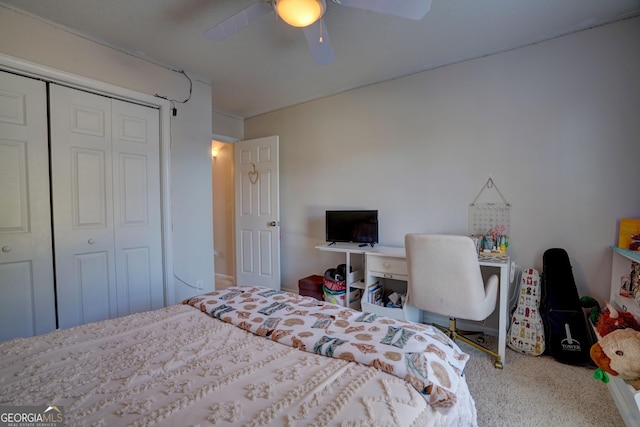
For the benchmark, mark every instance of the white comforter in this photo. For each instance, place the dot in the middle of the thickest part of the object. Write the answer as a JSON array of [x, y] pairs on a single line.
[[178, 366]]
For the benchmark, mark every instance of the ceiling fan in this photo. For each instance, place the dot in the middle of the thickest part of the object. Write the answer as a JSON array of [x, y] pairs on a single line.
[[308, 14]]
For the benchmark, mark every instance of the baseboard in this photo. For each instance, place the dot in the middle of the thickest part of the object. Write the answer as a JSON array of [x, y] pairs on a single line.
[[224, 277]]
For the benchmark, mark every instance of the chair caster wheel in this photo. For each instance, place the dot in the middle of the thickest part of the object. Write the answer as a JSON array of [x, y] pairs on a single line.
[[498, 364]]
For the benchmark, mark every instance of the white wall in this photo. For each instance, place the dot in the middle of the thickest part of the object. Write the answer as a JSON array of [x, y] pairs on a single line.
[[35, 41], [556, 125], [227, 128], [191, 194]]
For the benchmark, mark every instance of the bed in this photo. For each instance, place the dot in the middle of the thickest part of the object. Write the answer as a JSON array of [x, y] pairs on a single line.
[[242, 356]]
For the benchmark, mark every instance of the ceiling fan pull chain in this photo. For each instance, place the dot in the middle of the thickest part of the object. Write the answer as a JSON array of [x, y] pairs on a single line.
[[321, 40]]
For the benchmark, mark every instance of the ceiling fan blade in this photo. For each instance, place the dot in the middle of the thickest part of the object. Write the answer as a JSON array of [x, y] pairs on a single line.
[[410, 9], [318, 40], [235, 23]]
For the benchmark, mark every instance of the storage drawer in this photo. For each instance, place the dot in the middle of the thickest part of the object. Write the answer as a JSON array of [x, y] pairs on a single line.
[[389, 267], [627, 399], [394, 313], [407, 313]]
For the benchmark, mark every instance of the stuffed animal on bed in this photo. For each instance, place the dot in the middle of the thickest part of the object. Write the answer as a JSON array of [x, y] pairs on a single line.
[[617, 351]]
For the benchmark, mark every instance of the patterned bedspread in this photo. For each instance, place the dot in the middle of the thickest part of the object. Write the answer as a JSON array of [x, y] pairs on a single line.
[[178, 366], [420, 354]]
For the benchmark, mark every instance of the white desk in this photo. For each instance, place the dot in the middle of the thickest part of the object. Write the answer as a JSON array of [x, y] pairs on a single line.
[[390, 262]]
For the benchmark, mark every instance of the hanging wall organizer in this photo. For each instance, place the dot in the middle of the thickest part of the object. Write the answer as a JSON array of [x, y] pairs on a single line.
[[490, 220]]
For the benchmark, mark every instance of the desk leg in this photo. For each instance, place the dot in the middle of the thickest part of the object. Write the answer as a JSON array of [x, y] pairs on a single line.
[[502, 322]]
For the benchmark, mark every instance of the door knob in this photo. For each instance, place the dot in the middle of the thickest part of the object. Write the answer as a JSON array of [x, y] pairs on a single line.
[[6, 249], [273, 223], [91, 241]]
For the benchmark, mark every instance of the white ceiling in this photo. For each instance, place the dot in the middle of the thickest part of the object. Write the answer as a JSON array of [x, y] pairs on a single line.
[[267, 66]]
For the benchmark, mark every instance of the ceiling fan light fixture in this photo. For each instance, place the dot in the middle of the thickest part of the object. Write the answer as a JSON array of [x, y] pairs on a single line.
[[300, 13]]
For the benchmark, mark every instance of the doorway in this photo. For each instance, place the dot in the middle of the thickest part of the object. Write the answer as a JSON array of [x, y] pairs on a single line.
[[246, 212], [223, 214]]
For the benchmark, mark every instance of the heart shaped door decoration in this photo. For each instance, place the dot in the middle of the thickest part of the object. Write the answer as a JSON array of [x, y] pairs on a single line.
[[253, 174]]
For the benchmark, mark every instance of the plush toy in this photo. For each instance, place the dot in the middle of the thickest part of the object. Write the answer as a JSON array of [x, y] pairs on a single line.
[[610, 320], [618, 353]]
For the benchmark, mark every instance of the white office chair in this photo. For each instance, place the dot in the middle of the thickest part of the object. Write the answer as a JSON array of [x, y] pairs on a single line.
[[445, 279]]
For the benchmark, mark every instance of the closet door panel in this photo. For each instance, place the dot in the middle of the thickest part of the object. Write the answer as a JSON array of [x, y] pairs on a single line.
[[91, 270], [136, 188], [17, 314], [14, 213], [27, 304], [135, 281], [88, 189], [81, 159]]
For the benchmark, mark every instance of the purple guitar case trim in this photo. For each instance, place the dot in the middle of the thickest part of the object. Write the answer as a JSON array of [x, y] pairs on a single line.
[[568, 335]]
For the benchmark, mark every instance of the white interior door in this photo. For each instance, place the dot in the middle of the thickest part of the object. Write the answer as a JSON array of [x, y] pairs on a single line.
[[257, 212], [136, 198], [106, 206], [27, 302], [82, 197]]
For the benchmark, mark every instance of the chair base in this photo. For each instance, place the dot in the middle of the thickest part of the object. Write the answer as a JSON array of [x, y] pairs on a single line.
[[456, 334]]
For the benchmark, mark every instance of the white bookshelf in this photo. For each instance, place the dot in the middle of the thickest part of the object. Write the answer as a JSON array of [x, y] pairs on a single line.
[[626, 398]]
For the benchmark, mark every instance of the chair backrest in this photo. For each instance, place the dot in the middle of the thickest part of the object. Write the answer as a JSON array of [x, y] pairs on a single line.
[[445, 277]]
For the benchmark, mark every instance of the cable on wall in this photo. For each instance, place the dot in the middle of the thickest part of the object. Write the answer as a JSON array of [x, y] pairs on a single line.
[[174, 110], [141, 56], [199, 288]]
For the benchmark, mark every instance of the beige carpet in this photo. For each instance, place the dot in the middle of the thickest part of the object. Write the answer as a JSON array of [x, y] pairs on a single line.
[[535, 391]]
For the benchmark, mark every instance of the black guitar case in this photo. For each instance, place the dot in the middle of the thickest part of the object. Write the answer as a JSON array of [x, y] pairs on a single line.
[[568, 335]]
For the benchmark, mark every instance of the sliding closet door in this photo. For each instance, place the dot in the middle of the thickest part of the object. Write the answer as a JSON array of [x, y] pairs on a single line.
[[137, 219], [27, 304], [82, 206], [106, 206]]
